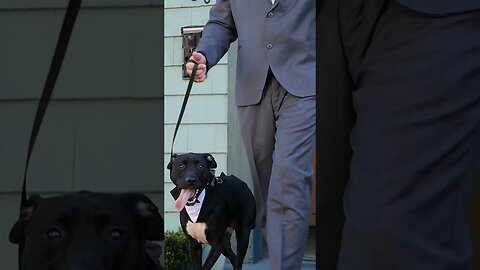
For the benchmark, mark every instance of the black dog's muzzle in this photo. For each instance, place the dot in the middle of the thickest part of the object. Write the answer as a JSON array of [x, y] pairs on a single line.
[[194, 199]]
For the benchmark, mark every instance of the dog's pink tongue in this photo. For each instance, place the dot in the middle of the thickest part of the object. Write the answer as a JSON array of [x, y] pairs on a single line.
[[185, 194]]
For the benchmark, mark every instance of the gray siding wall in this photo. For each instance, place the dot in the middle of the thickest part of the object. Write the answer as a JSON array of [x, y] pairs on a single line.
[[103, 130], [204, 125]]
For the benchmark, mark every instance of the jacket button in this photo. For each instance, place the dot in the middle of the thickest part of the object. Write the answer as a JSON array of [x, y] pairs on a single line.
[[269, 46], [270, 14]]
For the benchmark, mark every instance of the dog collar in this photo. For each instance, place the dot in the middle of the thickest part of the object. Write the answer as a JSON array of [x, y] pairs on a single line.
[[193, 210]]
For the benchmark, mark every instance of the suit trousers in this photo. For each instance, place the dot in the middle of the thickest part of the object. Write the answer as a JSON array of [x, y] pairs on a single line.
[[279, 137], [415, 140]]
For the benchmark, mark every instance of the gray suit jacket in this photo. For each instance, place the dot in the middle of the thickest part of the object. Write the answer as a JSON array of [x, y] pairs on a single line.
[[279, 36]]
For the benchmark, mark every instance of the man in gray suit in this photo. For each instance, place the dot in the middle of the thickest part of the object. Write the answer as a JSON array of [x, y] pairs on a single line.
[[275, 96]]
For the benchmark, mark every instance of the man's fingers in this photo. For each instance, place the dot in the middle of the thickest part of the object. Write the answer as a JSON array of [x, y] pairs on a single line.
[[201, 73], [201, 68], [200, 78]]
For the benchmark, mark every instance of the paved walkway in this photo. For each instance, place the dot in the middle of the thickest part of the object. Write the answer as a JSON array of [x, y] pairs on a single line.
[[263, 265]]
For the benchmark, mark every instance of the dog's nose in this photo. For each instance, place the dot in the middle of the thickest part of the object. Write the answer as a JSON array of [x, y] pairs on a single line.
[[190, 181]]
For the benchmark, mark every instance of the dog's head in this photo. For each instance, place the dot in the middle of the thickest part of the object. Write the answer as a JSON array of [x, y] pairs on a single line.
[[190, 173], [87, 230]]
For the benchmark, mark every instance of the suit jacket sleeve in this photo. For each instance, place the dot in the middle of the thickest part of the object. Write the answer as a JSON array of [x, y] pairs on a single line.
[[218, 33]]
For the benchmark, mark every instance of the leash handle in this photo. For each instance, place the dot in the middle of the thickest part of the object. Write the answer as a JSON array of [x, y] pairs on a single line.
[[55, 66], [184, 105]]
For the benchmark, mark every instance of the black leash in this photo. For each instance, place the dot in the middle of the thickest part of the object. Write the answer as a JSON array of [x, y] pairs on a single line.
[[55, 66], [184, 105]]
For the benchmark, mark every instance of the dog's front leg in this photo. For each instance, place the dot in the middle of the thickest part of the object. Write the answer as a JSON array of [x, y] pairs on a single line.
[[196, 253], [212, 257]]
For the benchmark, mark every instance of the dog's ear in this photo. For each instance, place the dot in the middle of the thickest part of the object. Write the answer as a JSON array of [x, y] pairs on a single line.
[[211, 163], [148, 213], [17, 233], [169, 166]]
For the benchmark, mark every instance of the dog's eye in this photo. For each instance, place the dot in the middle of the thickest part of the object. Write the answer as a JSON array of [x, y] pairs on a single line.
[[200, 166], [181, 166], [115, 234], [54, 234]]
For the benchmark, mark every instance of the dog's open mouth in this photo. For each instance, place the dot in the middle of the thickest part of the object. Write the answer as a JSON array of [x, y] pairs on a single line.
[[187, 196]]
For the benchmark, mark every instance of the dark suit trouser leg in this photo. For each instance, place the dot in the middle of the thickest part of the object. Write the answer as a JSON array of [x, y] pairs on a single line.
[[279, 137], [334, 121], [416, 139]]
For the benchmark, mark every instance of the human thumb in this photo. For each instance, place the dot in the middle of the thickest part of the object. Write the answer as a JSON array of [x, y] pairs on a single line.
[[198, 57]]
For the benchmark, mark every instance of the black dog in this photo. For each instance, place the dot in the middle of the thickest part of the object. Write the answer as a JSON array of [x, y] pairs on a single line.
[[211, 208], [88, 231]]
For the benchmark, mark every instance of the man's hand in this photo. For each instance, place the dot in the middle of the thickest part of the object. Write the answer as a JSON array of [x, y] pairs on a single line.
[[201, 74]]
